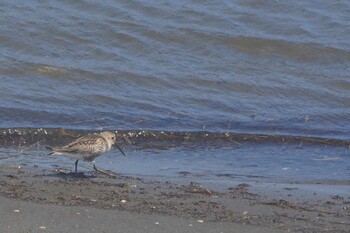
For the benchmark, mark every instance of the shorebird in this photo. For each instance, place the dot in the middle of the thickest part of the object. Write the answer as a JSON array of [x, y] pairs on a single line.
[[87, 148]]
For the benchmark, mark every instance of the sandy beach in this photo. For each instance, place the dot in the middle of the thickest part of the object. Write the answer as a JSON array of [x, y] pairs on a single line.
[[37, 200], [30, 217]]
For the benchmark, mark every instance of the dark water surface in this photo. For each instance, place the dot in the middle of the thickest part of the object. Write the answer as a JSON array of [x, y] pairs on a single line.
[[217, 67]]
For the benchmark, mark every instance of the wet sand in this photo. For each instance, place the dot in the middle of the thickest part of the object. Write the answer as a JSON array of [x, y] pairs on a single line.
[[35, 200]]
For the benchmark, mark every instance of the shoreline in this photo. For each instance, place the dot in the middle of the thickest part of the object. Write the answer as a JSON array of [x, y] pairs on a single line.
[[248, 207]]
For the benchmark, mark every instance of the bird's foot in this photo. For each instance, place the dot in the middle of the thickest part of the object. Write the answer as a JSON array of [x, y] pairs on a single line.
[[105, 173]]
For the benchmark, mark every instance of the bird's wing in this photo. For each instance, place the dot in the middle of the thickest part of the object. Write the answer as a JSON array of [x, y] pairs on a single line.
[[83, 144]]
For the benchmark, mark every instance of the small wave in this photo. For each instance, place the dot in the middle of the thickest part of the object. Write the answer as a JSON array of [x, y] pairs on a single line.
[[300, 51], [54, 136]]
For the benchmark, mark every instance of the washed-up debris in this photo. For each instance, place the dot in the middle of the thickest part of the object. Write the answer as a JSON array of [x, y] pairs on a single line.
[[197, 189]]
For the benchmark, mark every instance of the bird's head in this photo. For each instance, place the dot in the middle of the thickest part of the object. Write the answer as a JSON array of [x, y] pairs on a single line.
[[111, 138]]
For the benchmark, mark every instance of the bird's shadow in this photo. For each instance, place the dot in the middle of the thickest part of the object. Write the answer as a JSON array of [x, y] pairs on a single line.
[[70, 175]]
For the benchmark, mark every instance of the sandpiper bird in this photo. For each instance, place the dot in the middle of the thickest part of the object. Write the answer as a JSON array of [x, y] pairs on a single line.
[[88, 148]]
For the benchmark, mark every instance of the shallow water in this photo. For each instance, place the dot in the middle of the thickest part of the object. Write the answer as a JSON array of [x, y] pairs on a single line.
[[272, 164], [246, 67], [203, 156]]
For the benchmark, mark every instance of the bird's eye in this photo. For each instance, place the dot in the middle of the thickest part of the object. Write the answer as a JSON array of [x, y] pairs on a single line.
[[113, 138]]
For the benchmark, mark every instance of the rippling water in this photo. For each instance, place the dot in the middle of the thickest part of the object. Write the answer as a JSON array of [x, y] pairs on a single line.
[[250, 67]]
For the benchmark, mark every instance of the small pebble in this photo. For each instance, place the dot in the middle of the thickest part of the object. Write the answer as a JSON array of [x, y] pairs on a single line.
[[200, 221], [42, 227], [123, 201], [245, 212], [157, 223], [16, 211]]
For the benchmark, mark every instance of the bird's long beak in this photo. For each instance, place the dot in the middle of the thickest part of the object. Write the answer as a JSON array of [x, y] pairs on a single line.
[[119, 149]]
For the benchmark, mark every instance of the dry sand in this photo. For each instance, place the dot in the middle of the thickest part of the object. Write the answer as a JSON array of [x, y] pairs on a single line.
[[37, 200], [24, 216]]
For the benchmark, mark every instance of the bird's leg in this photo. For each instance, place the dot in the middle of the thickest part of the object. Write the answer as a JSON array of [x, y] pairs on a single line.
[[103, 172], [76, 166]]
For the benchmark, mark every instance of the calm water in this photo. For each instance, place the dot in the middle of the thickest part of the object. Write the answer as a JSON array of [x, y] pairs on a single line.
[[250, 67]]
